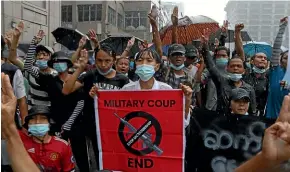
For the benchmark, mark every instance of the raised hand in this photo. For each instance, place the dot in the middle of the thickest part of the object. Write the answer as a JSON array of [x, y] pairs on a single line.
[[8, 102], [284, 20], [8, 37], [239, 27], [82, 42], [205, 36], [174, 16], [131, 43], [40, 35], [153, 16], [82, 61], [18, 29], [284, 115], [276, 143], [225, 26], [93, 37]]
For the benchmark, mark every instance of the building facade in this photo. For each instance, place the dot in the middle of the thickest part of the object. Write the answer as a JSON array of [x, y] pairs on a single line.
[[36, 15], [261, 18], [108, 17]]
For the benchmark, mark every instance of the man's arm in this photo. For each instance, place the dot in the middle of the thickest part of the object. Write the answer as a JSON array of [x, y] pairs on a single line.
[[72, 84], [253, 104], [13, 49], [211, 66], [275, 59], [19, 158], [239, 41]]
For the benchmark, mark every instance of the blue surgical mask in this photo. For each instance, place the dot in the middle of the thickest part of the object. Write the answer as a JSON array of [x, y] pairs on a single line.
[[60, 67], [104, 73], [131, 64], [38, 130], [145, 72], [235, 77], [41, 64], [259, 71], [221, 62], [176, 67]]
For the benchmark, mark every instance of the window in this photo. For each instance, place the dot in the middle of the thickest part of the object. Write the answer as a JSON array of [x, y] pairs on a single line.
[[90, 12], [120, 21], [136, 18], [66, 13], [112, 16]]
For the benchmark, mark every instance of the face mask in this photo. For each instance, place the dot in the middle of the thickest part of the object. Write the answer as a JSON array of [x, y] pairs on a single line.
[[60, 67], [42, 64], [235, 77], [221, 62], [176, 67], [131, 65], [104, 73], [248, 65], [38, 130], [259, 71], [145, 72]]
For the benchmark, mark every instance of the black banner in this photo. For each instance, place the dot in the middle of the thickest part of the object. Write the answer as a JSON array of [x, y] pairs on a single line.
[[220, 143]]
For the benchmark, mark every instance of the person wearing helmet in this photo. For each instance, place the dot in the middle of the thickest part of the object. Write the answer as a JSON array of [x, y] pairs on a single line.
[[65, 109]]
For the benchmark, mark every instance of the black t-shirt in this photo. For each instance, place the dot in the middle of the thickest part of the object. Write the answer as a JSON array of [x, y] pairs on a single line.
[[92, 77], [62, 106]]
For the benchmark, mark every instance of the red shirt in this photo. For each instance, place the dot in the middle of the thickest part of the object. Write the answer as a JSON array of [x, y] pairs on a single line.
[[50, 157]]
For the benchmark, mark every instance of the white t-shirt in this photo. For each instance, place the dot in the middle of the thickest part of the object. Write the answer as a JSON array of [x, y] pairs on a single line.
[[18, 85]]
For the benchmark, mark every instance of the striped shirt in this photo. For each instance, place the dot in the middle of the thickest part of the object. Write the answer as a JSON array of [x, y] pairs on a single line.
[[36, 94], [275, 59]]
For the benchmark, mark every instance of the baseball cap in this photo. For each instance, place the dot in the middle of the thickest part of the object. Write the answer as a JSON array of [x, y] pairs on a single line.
[[191, 51], [44, 48], [176, 48], [240, 93]]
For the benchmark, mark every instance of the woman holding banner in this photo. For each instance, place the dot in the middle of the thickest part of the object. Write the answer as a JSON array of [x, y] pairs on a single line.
[[147, 63]]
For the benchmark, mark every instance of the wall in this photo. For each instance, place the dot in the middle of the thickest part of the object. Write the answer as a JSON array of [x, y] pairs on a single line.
[[36, 15]]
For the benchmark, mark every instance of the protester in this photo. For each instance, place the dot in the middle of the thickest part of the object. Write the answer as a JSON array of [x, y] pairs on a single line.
[[147, 63], [275, 149], [225, 82], [103, 77], [17, 81], [277, 72], [50, 153], [240, 92], [239, 101], [19, 158], [122, 65]]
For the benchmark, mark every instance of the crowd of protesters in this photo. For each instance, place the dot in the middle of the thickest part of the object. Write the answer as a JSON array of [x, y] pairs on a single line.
[[48, 112]]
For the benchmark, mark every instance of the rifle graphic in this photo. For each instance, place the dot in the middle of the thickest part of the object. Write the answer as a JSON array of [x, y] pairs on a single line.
[[144, 137]]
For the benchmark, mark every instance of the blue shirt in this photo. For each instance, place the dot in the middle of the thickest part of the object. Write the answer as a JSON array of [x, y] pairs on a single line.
[[276, 94]]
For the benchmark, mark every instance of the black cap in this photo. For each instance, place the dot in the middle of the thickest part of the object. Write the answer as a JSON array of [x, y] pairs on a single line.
[[36, 110], [60, 56], [44, 48], [240, 93], [176, 48], [191, 51]]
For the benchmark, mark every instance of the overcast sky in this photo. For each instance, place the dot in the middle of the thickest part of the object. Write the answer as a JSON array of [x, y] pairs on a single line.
[[211, 8]]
